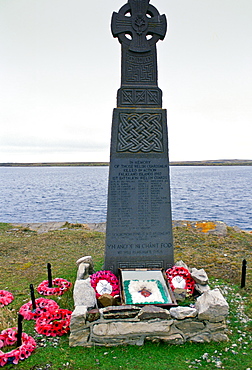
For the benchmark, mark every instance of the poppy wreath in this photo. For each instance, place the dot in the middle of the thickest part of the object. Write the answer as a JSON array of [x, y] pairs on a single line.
[[173, 274], [5, 298], [8, 337], [105, 282], [60, 287], [42, 305], [54, 323]]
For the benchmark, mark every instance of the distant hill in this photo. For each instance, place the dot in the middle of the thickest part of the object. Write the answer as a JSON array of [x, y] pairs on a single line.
[[219, 162]]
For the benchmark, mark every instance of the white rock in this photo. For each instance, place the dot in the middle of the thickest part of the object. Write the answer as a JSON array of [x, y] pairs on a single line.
[[212, 306], [199, 276], [85, 259], [84, 294], [181, 264], [202, 288], [181, 313]]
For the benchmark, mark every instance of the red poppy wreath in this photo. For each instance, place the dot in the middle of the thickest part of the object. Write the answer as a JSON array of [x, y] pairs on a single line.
[[180, 277], [5, 298], [42, 305], [8, 337], [54, 323], [105, 282], [59, 287]]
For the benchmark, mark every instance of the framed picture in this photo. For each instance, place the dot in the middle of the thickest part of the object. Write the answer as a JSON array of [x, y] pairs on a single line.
[[145, 287]]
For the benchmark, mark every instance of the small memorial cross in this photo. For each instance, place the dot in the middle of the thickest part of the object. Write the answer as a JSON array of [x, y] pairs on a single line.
[[139, 223]]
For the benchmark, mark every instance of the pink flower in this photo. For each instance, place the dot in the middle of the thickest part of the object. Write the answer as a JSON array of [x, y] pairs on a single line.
[[9, 337], [5, 298], [62, 286], [42, 305]]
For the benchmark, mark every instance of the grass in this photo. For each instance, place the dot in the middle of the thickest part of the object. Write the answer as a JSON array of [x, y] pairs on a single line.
[[23, 258]]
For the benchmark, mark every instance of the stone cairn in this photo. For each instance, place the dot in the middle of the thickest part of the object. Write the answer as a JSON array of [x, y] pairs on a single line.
[[131, 324]]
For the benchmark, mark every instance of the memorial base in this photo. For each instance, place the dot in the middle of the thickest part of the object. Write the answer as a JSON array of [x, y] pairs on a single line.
[[132, 324]]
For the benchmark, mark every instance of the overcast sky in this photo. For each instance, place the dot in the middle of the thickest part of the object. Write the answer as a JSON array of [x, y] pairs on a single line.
[[60, 71]]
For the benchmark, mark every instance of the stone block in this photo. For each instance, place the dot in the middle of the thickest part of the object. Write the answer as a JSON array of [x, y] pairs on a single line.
[[201, 338], [119, 328], [189, 327], [175, 338], [199, 276], [78, 318], [216, 326], [202, 288], [212, 306], [79, 338], [150, 312], [84, 294], [120, 312], [93, 315], [220, 337], [182, 313]]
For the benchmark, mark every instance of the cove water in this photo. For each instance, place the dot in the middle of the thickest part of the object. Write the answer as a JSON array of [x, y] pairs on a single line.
[[79, 194]]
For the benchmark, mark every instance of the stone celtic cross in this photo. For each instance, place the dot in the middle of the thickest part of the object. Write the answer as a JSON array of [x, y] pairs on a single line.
[[138, 26], [139, 223], [138, 19]]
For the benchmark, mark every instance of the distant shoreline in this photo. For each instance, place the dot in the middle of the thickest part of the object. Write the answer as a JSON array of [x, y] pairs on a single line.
[[224, 162]]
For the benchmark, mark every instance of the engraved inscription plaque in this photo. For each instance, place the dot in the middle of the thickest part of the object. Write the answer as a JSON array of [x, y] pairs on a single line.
[[139, 223]]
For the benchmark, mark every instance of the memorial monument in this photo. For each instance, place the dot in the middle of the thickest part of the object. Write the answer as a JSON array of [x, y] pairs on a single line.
[[139, 223]]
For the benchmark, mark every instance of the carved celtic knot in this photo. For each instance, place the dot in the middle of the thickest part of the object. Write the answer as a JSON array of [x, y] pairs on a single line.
[[140, 132]]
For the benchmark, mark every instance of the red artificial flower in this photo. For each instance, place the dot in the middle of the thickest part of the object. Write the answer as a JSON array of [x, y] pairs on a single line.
[[5, 298], [9, 337], [105, 282], [59, 287], [54, 322], [187, 281], [42, 305]]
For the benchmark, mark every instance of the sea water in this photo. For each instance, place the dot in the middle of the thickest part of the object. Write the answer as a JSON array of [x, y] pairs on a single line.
[[79, 194]]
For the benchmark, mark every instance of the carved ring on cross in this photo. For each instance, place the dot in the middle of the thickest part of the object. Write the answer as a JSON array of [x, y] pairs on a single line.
[[138, 25]]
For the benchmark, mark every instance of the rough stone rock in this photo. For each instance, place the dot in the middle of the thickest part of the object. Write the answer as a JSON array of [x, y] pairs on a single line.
[[78, 318], [175, 338], [83, 271], [202, 288], [118, 328], [106, 300], [135, 340], [149, 312], [182, 313], [189, 327], [84, 294], [120, 312], [212, 306], [79, 338], [201, 337], [89, 260], [181, 264], [220, 337], [93, 315], [180, 294], [216, 326], [199, 276]]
